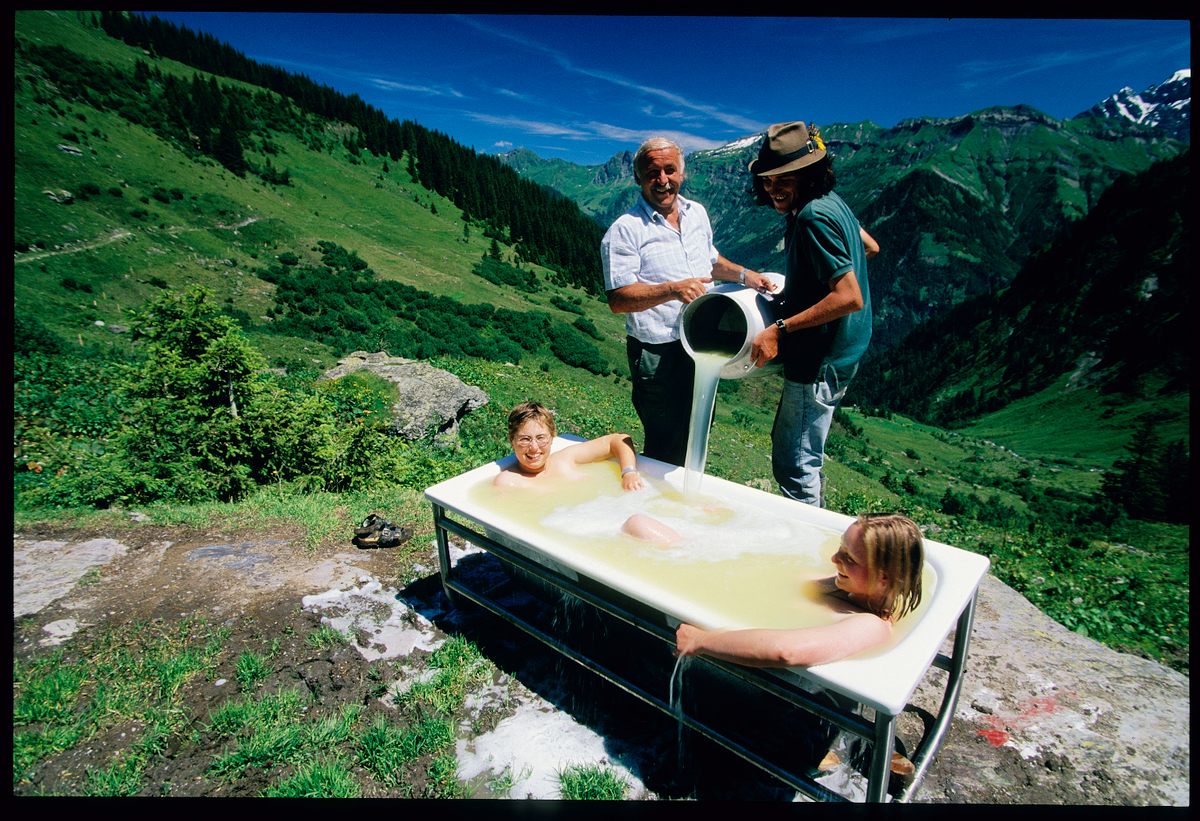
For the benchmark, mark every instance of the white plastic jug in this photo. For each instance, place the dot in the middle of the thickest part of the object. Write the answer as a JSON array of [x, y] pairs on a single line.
[[725, 321]]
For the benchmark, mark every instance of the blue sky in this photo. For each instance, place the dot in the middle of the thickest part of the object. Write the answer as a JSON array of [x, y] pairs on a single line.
[[582, 88]]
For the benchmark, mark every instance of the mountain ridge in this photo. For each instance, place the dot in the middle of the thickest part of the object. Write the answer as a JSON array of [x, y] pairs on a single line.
[[1107, 302], [957, 203], [1166, 105]]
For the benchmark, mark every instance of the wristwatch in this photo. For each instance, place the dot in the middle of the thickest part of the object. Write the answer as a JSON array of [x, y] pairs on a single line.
[[781, 326]]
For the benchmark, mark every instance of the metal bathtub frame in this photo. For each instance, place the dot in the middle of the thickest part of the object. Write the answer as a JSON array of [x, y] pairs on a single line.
[[879, 733]]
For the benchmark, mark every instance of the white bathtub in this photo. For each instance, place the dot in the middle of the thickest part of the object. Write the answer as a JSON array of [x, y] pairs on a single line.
[[882, 681]]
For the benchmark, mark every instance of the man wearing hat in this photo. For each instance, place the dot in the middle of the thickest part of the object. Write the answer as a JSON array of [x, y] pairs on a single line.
[[824, 313], [657, 257]]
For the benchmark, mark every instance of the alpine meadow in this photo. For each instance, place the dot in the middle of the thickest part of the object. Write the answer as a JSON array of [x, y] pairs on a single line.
[[198, 238]]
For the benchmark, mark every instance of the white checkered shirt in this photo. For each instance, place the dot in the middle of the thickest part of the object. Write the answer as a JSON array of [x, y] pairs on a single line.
[[640, 246]]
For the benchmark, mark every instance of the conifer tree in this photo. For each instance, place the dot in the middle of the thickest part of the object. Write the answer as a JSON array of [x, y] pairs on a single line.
[[227, 150]]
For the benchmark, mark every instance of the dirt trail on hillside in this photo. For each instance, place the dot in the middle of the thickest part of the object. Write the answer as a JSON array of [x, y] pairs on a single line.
[[74, 248], [117, 235]]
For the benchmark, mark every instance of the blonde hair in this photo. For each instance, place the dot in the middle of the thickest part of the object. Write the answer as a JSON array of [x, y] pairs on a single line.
[[654, 144], [525, 411], [895, 551]]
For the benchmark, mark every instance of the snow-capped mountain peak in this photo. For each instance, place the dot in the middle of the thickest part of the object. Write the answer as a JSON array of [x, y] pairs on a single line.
[[1166, 106]]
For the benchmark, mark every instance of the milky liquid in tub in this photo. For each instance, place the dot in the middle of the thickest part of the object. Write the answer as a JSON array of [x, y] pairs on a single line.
[[748, 567]]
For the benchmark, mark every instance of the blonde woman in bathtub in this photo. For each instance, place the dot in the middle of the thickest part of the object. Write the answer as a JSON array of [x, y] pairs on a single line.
[[878, 581], [531, 430]]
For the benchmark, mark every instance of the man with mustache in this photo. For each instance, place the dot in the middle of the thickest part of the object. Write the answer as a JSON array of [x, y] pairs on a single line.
[[658, 256]]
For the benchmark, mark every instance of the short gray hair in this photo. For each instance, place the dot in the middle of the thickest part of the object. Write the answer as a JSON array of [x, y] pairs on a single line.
[[654, 144]]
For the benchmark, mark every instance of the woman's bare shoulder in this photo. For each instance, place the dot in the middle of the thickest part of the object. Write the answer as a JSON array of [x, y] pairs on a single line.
[[509, 478], [837, 599]]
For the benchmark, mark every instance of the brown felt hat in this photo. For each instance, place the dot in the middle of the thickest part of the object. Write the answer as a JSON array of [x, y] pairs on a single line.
[[786, 147]]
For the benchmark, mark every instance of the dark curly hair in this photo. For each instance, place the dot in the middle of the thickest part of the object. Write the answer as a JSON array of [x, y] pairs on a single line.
[[812, 181]]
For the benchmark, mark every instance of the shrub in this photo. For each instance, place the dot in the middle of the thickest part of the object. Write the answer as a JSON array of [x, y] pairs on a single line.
[[202, 421], [503, 274], [569, 346], [31, 336], [565, 304], [72, 284], [584, 324]]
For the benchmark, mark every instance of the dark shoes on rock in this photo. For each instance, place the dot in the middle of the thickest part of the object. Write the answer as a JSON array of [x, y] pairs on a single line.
[[376, 531]]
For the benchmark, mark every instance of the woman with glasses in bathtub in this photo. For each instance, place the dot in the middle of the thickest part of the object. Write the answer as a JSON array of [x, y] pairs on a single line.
[[531, 431], [878, 581]]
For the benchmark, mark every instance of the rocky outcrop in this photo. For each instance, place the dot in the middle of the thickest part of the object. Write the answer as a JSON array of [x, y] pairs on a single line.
[[1047, 716], [618, 168], [431, 400]]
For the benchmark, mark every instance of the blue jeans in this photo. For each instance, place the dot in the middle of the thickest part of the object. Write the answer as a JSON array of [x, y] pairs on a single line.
[[802, 424]]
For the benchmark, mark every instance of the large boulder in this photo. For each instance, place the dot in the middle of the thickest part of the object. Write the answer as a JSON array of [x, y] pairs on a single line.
[[431, 400], [1048, 716]]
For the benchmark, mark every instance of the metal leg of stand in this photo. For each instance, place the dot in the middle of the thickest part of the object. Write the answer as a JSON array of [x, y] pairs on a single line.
[[881, 757], [955, 666], [443, 548]]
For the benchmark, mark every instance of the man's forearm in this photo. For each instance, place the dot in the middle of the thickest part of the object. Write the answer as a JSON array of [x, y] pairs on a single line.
[[639, 297], [843, 300], [726, 270]]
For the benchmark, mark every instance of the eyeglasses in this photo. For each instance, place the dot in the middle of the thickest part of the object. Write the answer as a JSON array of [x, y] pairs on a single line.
[[542, 439]]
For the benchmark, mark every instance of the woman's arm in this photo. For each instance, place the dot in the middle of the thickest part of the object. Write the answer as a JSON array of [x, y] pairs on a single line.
[[801, 647], [618, 446]]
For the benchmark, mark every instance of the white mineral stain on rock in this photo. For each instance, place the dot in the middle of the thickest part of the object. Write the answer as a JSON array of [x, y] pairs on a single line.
[[534, 745], [361, 611], [59, 631], [45, 571]]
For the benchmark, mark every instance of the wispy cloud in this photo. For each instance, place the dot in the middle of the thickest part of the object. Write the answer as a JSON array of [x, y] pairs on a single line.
[[733, 120], [433, 91], [513, 95], [565, 62], [980, 72], [370, 79], [892, 30], [593, 130], [528, 126]]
